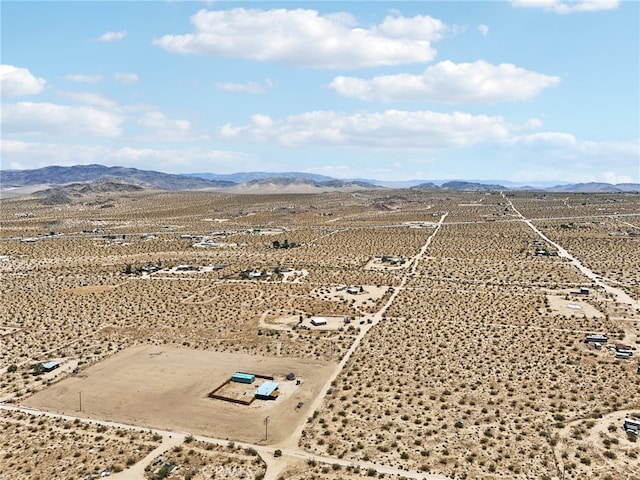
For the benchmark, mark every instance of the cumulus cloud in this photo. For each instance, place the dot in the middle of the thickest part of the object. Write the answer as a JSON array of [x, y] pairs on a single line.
[[112, 36], [159, 121], [448, 82], [389, 130], [16, 82], [483, 29], [248, 87], [77, 77], [564, 7], [51, 119], [126, 77], [164, 128], [306, 38]]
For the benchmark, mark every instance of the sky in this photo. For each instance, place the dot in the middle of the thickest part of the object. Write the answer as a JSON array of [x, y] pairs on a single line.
[[524, 90]]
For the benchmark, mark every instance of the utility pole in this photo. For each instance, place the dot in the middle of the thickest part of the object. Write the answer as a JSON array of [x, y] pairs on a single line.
[[266, 428]]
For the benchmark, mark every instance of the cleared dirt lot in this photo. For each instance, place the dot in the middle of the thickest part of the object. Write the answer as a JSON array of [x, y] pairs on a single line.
[[166, 387]]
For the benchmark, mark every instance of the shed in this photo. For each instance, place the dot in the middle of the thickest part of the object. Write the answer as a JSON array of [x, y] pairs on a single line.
[[596, 338], [317, 321], [48, 366], [267, 391], [241, 377], [631, 425]]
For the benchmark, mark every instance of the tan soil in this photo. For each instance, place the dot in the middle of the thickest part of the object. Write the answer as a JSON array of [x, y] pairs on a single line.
[[167, 388]]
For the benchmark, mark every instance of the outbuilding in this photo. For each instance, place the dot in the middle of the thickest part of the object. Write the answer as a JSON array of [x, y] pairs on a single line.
[[241, 377], [49, 366], [596, 338], [631, 425], [318, 321], [267, 391]]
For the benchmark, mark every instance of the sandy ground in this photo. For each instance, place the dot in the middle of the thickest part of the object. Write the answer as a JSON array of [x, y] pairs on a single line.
[[167, 388], [573, 306], [290, 321], [478, 289], [369, 292]]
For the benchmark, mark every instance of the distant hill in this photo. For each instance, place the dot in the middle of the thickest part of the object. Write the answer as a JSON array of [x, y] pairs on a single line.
[[472, 186], [67, 194], [277, 184], [595, 187], [56, 175], [245, 177], [17, 182], [426, 186]]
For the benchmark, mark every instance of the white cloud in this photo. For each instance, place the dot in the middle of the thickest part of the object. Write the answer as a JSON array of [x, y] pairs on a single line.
[[89, 98], [564, 7], [343, 18], [483, 29], [51, 119], [248, 87], [77, 77], [112, 36], [420, 27], [131, 155], [126, 77], [162, 128], [159, 121], [389, 130], [571, 147], [562, 156], [16, 82], [305, 38], [27, 155], [448, 82], [39, 154], [546, 140]]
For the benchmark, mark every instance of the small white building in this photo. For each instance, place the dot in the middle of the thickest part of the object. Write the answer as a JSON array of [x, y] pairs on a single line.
[[318, 321]]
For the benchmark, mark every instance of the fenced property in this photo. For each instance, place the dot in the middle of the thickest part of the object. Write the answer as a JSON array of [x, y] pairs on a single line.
[[167, 387], [233, 390]]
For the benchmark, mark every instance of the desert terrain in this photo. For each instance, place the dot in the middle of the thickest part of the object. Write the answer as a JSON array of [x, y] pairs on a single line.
[[453, 345]]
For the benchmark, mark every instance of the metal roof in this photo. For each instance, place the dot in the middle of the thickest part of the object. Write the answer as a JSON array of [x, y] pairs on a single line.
[[266, 389]]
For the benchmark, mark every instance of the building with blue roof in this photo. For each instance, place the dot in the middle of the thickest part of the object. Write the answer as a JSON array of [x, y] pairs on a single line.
[[241, 377], [48, 366], [267, 391]]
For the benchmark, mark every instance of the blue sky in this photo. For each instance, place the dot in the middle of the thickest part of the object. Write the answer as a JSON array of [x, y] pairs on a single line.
[[526, 91]]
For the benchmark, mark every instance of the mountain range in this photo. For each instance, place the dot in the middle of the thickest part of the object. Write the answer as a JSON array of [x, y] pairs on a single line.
[[262, 182]]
